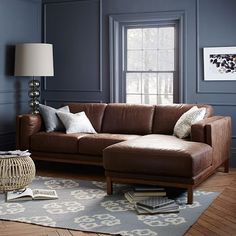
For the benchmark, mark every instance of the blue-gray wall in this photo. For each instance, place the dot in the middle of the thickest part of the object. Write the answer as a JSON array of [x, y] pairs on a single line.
[[20, 21], [83, 73]]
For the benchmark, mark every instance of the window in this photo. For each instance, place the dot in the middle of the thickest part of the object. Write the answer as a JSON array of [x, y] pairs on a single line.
[[150, 64], [147, 57]]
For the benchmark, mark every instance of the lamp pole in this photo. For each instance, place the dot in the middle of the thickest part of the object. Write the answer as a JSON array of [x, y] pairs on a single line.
[[34, 95]]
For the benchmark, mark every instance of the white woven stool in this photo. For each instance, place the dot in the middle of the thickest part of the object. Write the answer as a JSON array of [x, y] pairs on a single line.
[[16, 172]]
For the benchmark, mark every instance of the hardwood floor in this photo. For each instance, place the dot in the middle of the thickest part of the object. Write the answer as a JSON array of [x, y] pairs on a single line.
[[218, 219]]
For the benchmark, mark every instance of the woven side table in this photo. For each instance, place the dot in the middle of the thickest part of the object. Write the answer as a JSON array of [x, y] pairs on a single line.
[[16, 172]]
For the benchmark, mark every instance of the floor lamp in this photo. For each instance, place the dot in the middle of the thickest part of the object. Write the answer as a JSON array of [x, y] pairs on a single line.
[[34, 59]]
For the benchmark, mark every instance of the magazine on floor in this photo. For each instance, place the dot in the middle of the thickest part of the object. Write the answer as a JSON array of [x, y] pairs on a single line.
[[15, 153], [31, 194], [155, 202], [171, 208]]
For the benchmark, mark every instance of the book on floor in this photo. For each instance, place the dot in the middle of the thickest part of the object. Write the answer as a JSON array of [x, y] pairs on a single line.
[[31, 194], [149, 193], [134, 197], [171, 208], [155, 202], [145, 188]]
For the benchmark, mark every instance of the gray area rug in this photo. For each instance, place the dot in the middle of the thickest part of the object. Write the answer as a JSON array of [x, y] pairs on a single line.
[[84, 205]]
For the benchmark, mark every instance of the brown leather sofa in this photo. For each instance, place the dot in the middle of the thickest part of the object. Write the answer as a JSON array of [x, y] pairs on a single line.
[[135, 144]]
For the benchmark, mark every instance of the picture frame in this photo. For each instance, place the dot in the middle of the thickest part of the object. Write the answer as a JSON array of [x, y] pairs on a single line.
[[219, 63]]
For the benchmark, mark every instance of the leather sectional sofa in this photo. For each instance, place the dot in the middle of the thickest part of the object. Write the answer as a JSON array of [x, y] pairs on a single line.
[[135, 144]]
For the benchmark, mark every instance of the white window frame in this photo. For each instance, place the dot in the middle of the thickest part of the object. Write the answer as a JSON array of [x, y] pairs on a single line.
[[117, 24], [173, 24]]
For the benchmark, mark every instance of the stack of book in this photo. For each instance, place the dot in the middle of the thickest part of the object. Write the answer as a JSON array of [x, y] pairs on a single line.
[[151, 200], [156, 205], [140, 193]]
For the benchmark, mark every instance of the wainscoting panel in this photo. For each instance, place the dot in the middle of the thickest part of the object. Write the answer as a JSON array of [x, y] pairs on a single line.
[[18, 96], [8, 113], [7, 141], [74, 30]]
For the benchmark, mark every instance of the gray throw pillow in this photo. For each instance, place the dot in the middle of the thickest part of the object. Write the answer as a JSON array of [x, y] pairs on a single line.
[[50, 118], [76, 123]]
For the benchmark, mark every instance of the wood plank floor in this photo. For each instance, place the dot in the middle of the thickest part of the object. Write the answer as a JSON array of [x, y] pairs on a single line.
[[218, 219]]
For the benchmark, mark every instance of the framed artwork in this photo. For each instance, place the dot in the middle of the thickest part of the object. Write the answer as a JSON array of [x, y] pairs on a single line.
[[219, 63]]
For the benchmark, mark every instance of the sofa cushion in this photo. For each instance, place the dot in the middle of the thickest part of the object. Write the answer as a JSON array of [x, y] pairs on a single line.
[[94, 112], [55, 142], [166, 116], [76, 123], [158, 155], [128, 119], [94, 144], [50, 118]]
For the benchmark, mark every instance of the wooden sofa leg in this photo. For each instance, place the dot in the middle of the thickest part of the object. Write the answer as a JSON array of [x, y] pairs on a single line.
[[109, 186], [190, 195], [226, 166]]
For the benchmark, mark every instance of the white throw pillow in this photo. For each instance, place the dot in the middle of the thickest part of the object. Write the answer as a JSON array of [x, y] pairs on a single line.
[[182, 127], [76, 123]]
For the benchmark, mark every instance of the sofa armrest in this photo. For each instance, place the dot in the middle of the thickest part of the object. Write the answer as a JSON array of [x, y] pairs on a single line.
[[215, 131], [198, 130], [26, 125]]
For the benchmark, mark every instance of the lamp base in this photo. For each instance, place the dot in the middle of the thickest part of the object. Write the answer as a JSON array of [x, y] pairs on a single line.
[[34, 95]]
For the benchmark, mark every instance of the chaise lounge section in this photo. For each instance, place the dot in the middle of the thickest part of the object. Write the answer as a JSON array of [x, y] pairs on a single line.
[[135, 144]]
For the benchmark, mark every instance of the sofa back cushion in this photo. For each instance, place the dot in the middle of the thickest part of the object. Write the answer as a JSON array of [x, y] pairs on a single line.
[[124, 118], [166, 116], [94, 112]]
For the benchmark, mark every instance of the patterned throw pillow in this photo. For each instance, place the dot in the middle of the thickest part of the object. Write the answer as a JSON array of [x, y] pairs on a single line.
[[182, 127], [51, 121], [76, 123]]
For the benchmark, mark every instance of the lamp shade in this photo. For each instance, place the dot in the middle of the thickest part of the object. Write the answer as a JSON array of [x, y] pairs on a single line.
[[34, 59]]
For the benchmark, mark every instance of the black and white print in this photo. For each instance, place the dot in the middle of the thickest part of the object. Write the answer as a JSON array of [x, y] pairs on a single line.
[[220, 63], [223, 63]]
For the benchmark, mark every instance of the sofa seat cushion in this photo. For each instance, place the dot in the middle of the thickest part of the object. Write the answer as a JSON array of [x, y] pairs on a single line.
[[58, 142], [164, 155], [94, 144]]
